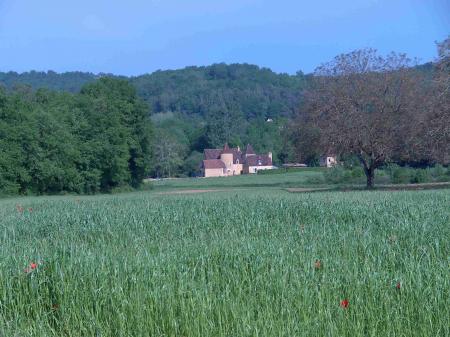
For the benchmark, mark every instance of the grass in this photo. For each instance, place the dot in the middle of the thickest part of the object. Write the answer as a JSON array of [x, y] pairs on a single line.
[[338, 179], [227, 264], [308, 177]]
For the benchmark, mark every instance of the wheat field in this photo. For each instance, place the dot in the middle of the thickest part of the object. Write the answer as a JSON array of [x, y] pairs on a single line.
[[234, 263]]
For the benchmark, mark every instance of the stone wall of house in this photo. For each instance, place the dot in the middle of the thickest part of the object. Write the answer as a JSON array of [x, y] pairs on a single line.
[[214, 172], [237, 169], [327, 161]]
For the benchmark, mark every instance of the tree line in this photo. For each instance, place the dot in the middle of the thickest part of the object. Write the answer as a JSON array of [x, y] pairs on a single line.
[[96, 140], [85, 133], [196, 108]]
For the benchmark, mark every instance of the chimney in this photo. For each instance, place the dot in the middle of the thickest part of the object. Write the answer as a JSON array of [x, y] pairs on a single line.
[[239, 149]]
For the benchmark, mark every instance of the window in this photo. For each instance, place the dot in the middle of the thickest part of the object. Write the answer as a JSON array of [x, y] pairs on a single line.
[[237, 161]]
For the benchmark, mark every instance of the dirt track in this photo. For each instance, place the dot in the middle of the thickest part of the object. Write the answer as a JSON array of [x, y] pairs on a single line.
[[190, 191]]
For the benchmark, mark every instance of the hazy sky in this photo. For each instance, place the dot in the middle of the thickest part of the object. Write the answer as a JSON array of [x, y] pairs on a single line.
[[132, 37]]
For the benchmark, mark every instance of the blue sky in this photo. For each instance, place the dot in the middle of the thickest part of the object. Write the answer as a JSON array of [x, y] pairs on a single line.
[[139, 36]]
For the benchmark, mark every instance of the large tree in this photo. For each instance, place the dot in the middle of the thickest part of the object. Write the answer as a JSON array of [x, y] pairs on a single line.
[[117, 136], [364, 104], [437, 122]]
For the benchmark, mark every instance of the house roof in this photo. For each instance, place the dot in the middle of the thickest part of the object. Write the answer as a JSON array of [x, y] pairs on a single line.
[[226, 149], [213, 164], [212, 157], [259, 160], [215, 154], [237, 155], [212, 153]]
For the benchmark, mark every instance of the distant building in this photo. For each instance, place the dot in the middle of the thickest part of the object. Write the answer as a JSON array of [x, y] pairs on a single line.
[[328, 160], [232, 161]]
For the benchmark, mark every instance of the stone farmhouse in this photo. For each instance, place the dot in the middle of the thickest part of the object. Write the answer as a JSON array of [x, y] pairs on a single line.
[[232, 161]]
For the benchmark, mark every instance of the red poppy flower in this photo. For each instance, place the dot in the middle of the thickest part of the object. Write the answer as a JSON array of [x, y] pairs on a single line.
[[30, 268], [344, 303], [30, 209], [398, 285]]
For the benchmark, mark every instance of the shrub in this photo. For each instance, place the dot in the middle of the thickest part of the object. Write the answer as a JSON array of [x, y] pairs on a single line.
[[334, 175], [398, 174], [357, 172], [437, 171], [420, 176], [440, 173]]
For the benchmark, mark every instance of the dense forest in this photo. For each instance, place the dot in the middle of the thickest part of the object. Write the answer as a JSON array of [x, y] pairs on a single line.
[[84, 133], [96, 140]]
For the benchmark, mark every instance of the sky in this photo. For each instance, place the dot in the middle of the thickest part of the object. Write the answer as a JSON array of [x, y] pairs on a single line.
[[134, 37]]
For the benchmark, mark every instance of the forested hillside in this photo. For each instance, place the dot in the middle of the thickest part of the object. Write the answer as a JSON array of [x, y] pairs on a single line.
[[197, 107], [69, 81], [244, 89], [81, 132]]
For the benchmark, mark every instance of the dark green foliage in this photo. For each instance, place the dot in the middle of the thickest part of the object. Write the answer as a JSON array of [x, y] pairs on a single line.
[[69, 81], [118, 139], [200, 107], [391, 174], [405, 175], [336, 175], [85, 143], [340, 175], [247, 90], [192, 164], [420, 176], [244, 89], [283, 170]]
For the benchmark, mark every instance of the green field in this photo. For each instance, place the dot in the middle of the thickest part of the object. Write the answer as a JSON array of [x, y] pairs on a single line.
[[228, 263], [309, 177]]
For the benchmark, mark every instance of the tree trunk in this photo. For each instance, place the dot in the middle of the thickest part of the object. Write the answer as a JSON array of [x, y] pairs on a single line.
[[370, 175], [369, 170]]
